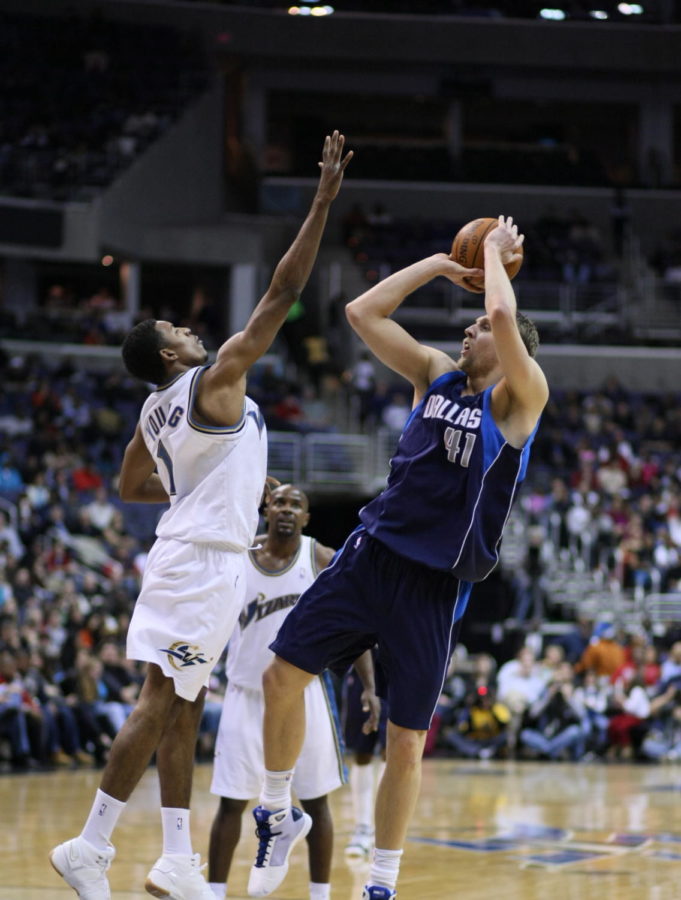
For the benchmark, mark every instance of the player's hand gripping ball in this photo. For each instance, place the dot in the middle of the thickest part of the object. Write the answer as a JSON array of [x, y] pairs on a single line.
[[467, 249]]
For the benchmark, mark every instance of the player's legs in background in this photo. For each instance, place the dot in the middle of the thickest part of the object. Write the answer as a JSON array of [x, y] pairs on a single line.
[[395, 802], [363, 769], [362, 789], [320, 847], [224, 836]]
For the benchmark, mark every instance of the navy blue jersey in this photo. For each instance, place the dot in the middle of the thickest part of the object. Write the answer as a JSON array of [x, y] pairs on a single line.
[[452, 482]]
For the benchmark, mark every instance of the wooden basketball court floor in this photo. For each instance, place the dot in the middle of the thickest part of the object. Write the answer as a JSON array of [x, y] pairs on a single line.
[[483, 830]]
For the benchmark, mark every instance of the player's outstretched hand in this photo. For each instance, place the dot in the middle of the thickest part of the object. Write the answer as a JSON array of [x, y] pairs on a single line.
[[332, 166], [506, 239], [371, 704]]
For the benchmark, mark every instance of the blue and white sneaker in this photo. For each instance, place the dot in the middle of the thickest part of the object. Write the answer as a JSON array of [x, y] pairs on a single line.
[[278, 832], [374, 892]]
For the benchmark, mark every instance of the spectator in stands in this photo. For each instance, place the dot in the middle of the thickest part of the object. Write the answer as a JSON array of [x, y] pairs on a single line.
[[362, 380], [11, 481], [121, 681], [13, 725], [480, 727], [100, 510], [10, 538], [520, 679], [552, 724], [84, 688], [551, 661], [605, 654], [670, 670], [627, 726], [63, 743], [662, 741], [394, 416], [16, 694], [519, 684], [592, 696]]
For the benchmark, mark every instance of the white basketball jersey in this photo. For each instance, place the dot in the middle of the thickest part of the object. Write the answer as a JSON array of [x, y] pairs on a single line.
[[270, 596], [214, 476]]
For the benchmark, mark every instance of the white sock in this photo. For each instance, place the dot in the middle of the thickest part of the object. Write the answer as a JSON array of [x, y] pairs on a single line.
[[220, 890], [102, 820], [362, 788], [276, 790], [381, 771], [177, 837], [320, 891], [385, 868]]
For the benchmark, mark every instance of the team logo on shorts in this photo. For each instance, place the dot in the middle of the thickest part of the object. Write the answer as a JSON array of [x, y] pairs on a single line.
[[181, 654]]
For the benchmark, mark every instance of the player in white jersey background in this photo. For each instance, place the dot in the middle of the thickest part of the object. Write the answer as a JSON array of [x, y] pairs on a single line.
[[200, 445], [282, 565]]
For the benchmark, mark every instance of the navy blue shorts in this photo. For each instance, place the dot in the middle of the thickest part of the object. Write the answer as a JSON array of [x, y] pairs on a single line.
[[353, 718], [367, 596]]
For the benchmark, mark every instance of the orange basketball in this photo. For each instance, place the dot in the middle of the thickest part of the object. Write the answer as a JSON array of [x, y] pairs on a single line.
[[467, 251]]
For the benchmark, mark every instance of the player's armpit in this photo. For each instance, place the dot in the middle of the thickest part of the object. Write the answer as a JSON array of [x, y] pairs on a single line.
[[138, 481], [323, 556]]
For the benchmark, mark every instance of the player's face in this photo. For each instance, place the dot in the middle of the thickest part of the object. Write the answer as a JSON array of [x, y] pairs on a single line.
[[187, 346], [287, 511], [478, 353]]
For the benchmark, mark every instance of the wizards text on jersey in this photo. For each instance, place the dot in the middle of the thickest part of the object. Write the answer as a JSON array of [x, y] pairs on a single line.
[[262, 606]]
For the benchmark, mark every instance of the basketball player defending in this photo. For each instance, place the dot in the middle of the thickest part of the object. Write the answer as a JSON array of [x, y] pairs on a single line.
[[403, 578], [277, 572], [200, 444]]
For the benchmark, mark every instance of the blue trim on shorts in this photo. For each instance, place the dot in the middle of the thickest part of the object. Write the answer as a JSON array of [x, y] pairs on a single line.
[[332, 706]]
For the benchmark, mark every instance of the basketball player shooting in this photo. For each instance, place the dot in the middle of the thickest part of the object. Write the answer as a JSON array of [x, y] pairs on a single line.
[[404, 576], [200, 444]]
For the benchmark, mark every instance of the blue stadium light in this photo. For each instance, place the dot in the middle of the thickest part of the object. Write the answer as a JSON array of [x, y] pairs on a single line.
[[598, 14], [630, 9], [556, 15]]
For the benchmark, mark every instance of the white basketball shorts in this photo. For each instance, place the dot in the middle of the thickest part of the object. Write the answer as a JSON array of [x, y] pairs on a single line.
[[239, 764], [188, 606]]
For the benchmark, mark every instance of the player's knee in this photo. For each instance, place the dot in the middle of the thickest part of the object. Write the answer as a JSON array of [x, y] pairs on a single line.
[[280, 680], [405, 746], [157, 698]]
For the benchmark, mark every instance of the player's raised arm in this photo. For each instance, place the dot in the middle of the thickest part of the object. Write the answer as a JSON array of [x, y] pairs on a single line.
[[523, 391], [370, 314], [241, 350]]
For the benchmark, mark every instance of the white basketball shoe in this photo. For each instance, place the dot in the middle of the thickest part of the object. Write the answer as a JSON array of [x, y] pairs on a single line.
[[361, 842], [84, 867], [178, 877]]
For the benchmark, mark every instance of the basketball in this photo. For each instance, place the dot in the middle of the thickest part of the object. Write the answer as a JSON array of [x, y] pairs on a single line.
[[467, 251]]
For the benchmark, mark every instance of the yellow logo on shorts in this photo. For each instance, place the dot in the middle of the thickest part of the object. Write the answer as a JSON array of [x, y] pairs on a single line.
[[181, 654]]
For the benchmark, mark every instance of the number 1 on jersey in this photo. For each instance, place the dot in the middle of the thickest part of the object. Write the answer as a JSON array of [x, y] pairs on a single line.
[[164, 457], [452, 438]]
